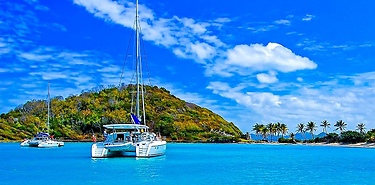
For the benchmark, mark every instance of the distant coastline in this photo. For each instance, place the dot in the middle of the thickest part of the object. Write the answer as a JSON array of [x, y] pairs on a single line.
[[356, 145]]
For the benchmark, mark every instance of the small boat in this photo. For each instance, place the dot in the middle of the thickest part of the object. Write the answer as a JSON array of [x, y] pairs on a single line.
[[49, 142], [43, 139]]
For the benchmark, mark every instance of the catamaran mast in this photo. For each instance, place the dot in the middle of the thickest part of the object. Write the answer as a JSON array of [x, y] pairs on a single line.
[[137, 58], [48, 111], [140, 90]]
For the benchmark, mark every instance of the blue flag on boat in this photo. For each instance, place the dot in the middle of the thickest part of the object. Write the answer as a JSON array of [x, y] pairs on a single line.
[[135, 119]]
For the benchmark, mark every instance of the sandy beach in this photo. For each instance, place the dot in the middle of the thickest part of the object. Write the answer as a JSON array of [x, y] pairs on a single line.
[[357, 145]]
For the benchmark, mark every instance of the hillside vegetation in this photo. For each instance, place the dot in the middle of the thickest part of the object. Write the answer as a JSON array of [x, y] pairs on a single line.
[[78, 117]]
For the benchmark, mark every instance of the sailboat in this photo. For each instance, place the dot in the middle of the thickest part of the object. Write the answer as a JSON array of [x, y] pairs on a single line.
[[43, 139], [132, 139]]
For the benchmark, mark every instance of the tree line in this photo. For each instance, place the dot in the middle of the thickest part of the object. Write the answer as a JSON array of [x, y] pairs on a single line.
[[271, 130]]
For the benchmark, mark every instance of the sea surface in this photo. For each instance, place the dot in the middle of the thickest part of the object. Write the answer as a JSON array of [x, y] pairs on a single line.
[[190, 164]]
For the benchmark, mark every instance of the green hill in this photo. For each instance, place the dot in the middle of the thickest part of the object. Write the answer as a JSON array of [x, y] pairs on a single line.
[[78, 117]]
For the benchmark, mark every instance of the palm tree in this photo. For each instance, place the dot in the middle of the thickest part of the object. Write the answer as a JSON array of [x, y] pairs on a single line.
[[325, 124], [264, 131], [292, 135], [311, 126], [278, 128], [272, 129], [301, 129], [257, 129], [340, 125], [284, 129], [361, 128]]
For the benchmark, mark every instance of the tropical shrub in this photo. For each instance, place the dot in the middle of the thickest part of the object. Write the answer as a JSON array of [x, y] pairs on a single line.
[[320, 139], [352, 137], [370, 136], [223, 139], [286, 140], [331, 138]]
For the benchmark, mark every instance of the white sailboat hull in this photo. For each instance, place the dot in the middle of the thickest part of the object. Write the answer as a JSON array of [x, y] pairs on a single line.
[[50, 144]]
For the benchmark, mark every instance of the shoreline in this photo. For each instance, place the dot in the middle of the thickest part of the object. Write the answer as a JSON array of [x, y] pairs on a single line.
[[356, 145], [348, 145]]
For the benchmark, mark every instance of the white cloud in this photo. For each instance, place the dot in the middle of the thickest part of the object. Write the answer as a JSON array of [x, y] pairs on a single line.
[[50, 75], [212, 39], [111, 68], [35, 57], [308, 17], [267, 78], [247, 99], [246, 59], [283, 22], [71, 55], [264, 99], [267, 26], [160, 32], [178, 52], [222, 20], [203, 50], [261, 28], [196, 28], [183, 35], [5, 45], [111, 11]]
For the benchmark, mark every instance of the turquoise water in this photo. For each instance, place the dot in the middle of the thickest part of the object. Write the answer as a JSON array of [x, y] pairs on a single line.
[[190, 164]]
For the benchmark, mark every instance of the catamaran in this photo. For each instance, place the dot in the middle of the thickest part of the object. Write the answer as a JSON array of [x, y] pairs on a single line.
[[43, 139], [132, 139], [129, 140]]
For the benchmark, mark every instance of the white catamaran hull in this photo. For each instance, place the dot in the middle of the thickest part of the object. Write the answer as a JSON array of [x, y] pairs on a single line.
[[142, 149], [155, 148]]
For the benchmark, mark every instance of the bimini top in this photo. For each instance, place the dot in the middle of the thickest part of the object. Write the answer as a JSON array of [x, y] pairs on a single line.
[[125, 126], [42, 134]]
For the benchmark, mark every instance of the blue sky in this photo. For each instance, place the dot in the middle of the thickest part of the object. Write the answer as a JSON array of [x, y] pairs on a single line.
[[251, 62]]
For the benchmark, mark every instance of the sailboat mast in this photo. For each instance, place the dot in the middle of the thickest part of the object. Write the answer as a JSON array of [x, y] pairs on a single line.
[[48, 108], [137, 60], [140, 88]]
